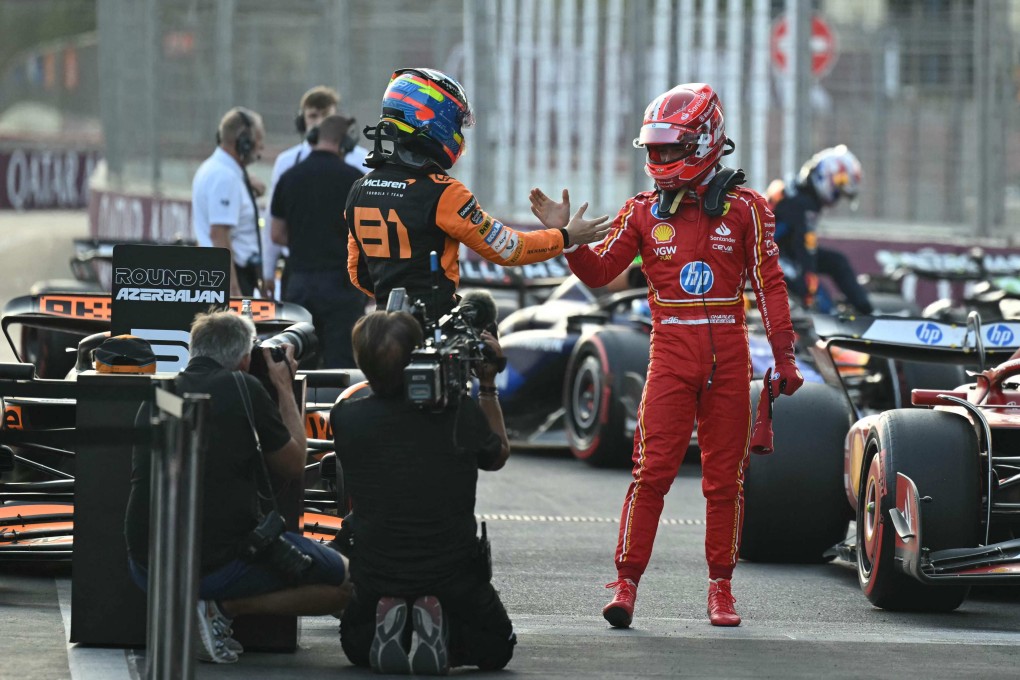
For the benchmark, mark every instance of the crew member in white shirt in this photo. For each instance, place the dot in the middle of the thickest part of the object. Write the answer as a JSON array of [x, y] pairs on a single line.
[[223, 208], [316, 104]]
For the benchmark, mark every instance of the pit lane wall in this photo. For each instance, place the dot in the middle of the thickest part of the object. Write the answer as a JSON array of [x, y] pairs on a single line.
[[119, 215]]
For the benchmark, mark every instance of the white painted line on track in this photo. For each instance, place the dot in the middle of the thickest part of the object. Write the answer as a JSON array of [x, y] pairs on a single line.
[[493, 517], [752, 629], [87, 663]]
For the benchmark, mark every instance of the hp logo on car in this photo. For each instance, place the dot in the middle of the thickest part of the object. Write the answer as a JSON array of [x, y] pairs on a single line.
[[928, 333], [696, 278], [999, 335]]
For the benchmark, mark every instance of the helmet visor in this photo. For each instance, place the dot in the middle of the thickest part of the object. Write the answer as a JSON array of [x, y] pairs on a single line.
[[659, 134], [669, 153]]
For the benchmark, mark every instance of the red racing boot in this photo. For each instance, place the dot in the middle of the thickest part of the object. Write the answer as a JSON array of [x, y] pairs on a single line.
[[620, 611], [720, 604]]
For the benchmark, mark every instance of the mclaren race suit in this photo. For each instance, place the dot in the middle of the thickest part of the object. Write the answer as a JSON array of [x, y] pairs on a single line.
[[699, 366], [397, 215]]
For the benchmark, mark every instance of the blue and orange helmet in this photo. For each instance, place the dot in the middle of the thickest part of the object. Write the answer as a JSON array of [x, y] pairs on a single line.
[[430, 110]]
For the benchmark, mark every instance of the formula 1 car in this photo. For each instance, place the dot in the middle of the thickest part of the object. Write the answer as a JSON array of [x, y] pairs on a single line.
[[934, 489], [38, 437]]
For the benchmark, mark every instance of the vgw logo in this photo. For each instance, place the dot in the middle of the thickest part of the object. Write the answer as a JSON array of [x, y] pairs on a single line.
[[928, 333], [696, 278], [999, 335]]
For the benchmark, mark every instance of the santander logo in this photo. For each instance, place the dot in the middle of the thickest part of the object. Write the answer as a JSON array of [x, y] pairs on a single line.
[[723, 230]]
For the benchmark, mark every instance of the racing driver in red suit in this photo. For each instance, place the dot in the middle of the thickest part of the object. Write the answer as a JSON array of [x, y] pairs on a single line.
[[700, 237]]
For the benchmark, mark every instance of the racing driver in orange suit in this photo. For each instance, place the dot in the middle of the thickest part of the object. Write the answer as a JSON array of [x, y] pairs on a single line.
[[700, 236], [408, 206]]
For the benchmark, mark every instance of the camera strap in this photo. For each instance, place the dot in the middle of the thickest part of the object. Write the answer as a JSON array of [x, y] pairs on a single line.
[[263, 472]]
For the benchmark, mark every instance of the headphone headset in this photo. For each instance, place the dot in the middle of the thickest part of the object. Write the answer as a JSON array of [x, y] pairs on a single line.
[[299, 123], [245, 142]]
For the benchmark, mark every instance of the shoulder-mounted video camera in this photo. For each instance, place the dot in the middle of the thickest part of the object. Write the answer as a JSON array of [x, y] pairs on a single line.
[[440, 370]]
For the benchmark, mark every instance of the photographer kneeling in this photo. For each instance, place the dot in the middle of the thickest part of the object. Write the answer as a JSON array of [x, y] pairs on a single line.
[[248, 564], [422, 600]]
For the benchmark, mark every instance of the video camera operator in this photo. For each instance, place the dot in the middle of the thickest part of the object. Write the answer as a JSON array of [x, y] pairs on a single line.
[[248, 563], [423, 601]]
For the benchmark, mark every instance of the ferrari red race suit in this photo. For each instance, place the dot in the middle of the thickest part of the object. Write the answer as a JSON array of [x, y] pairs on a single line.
[[699, 364]]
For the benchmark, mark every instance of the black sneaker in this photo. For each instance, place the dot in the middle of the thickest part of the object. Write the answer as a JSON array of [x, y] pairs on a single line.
[[429, 655], [387, 654]]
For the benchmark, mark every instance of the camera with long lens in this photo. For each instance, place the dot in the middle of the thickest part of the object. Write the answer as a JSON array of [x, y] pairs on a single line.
[[440, 370], [301, 336], [267, 544]]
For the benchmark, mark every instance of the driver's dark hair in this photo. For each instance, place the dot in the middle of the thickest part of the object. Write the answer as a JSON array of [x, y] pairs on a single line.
[[383, 342]]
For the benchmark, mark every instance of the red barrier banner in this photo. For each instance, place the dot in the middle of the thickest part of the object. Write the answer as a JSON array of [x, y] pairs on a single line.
[[45, 179], [137, 218]]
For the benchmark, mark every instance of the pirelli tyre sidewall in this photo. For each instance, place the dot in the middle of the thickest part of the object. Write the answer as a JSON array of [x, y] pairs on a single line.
[[938, 450], [795, 507], [602, 389]]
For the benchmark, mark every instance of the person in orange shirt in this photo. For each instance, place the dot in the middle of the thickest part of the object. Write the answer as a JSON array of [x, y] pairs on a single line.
[[408, 206]]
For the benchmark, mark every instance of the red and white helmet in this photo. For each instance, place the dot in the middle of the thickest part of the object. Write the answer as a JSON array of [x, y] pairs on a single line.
[[689, 116]]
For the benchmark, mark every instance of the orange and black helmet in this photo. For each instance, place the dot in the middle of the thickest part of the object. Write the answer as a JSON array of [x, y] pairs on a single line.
[[124, 354]]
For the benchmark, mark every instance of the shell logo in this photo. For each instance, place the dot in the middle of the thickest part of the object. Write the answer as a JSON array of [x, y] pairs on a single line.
[[663, 233]]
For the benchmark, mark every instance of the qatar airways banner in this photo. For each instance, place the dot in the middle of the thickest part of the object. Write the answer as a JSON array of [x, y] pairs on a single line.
[[45, 179]]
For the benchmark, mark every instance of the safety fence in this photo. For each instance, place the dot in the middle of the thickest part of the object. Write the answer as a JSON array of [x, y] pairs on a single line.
[[923, 91]]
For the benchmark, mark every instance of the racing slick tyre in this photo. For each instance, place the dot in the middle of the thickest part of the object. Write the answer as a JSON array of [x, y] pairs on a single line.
[[930, 375], [601, 393], [939, 452], [795, 507]]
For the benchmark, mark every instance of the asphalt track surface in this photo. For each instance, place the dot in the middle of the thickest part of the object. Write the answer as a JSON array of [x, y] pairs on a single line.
[[552, 521]]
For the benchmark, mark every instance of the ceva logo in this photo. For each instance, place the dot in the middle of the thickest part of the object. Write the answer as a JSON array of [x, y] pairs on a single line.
[[999, 335], [929, 333], [696, 278]]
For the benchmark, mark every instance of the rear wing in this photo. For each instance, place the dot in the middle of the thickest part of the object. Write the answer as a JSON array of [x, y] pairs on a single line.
[[920, 339], [87, 313]]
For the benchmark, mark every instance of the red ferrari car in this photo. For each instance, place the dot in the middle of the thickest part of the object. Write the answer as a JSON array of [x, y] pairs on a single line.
[[934, 487]]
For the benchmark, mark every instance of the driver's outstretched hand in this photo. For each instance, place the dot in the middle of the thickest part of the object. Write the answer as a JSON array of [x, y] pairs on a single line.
[[551, 214], [584, 231]]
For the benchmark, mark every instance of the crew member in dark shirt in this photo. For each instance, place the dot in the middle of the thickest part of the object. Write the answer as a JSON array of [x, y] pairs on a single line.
[[308, 217], [411, 475]]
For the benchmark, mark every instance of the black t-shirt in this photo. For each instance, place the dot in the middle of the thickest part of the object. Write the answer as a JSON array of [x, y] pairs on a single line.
[[230, 507], [796, 227], [310, 198], [412, 489]]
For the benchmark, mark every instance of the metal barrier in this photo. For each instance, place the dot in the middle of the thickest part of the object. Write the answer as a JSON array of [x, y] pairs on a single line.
[[174, 528]]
